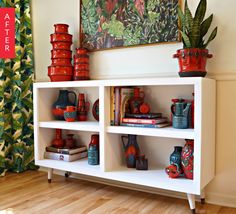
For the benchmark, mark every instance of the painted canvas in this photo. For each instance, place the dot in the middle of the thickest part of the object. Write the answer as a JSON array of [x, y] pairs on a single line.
[[122, 23]]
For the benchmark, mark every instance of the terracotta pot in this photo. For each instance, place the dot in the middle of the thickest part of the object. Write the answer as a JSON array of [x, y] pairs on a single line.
[[63, 62], [192, 62], [61, 45], [61, 28], [61, 37], [60, 78], [60, 70], [81, 67], [55, 54], [81, 60]]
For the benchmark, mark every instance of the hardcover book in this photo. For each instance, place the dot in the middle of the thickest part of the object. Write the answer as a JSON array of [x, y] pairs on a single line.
[[144, 121], [64, 157], [161, 125], [65, 150]]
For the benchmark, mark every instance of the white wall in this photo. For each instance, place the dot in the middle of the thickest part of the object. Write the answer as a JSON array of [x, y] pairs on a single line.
[[157, 60]]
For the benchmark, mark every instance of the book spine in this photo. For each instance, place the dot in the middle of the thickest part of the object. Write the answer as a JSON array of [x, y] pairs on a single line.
[[145, 125], [63, 157], [117, 106], [143, 121], [112, 105]]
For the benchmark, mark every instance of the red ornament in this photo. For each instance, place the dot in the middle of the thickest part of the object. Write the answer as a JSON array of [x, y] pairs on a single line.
[[136, 101], [144, 108], [172, 171]]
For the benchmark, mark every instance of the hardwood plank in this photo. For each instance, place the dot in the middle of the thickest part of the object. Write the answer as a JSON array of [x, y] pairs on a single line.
[[29, 193]]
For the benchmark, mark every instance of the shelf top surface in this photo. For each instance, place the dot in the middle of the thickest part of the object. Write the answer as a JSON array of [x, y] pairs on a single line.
[[124, 82], [157, 132]]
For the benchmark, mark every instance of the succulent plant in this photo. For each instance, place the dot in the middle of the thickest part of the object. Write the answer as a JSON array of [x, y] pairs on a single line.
[[194, 29]]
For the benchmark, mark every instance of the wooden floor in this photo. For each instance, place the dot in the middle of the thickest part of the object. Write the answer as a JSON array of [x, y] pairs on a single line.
[[29, 192]]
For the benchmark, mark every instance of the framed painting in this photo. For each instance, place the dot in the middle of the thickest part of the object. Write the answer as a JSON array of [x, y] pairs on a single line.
[[109, 24]]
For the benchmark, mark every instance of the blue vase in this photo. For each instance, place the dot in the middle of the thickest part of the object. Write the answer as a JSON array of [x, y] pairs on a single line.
[[93, 155], [175, 157]]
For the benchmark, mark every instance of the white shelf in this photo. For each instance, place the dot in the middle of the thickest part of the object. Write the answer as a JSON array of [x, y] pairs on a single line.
[[153, 177], [79, 166], [91, 126], [156, 132]]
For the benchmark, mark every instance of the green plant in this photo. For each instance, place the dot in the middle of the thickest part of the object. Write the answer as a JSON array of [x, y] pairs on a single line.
[[194, 29]]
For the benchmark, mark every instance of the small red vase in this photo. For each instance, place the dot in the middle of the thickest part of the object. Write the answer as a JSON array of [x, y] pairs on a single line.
[[70, 141], [83, 108], [187, 158], [58, 141], [136, 101]]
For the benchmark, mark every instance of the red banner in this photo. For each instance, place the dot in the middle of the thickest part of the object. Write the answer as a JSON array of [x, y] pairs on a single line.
[[7, 33]]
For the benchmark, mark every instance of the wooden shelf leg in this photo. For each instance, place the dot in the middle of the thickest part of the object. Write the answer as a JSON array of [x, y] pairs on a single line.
[[191, 201], [203, 196], [50, 171]]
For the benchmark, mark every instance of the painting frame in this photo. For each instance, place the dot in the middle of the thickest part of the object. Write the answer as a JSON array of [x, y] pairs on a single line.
[[109, 46]]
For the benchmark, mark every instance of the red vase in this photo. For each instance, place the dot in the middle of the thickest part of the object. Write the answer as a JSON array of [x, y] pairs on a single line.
[[58, 141], [187, 159], [136, 101], [83, 108], [192, 62]]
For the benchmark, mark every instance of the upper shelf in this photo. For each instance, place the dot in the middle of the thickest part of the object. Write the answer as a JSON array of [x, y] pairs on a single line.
[[156, 132], [123, 82], [91, 126]]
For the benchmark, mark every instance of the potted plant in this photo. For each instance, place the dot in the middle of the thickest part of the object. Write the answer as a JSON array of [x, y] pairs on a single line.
[[192, 58]]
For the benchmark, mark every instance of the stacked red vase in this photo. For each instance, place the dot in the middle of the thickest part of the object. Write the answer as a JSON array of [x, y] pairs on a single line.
[[61, 68], [81, 64]]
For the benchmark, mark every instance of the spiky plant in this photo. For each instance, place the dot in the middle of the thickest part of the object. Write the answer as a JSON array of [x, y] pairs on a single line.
[[194, 29]]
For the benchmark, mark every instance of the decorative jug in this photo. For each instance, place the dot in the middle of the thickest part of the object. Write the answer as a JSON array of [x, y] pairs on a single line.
[[131, 150], [187, 158], [175, 157], [180, 111], [62, 102]]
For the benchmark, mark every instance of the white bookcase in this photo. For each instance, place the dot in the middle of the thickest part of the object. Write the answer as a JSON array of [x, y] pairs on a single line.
[[156, 144]]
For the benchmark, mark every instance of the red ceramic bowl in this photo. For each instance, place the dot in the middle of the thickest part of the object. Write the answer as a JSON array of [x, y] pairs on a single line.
[[60, 70], [63, 62], [61, 37], [81, 51], [61, 45], [59, 78], [81, 67], [55, 54], [61, 28], [81, 60]]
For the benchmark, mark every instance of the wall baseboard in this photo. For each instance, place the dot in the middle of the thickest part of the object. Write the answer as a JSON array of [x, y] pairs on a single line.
[[211, 198]]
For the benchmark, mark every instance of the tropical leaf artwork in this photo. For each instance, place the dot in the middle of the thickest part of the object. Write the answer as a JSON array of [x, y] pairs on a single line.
[[16, 96], [121, 23]]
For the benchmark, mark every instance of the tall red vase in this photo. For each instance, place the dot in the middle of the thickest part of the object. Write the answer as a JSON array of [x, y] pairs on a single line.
[[187, 159]]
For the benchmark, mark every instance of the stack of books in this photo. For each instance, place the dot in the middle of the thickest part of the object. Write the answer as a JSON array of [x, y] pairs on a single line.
[[151, 120], [65, 154]]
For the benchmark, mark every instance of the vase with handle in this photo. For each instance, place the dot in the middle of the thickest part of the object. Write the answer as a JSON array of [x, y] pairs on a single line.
[[59, 107]]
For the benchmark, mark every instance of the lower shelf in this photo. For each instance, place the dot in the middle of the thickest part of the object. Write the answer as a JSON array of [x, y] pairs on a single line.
[[154, 177]]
